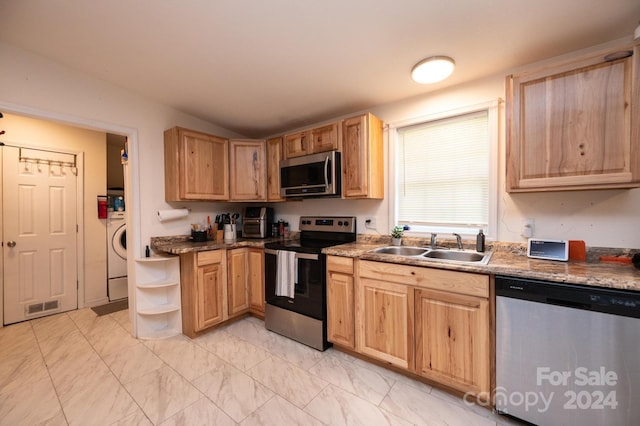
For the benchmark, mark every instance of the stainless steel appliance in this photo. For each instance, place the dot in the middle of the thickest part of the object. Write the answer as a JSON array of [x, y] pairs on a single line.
[[303, 317], [315, 175], [256, 222], [567, 354]]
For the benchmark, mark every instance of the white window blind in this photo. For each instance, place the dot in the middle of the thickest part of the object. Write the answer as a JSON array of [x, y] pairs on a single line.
[[443, 172]]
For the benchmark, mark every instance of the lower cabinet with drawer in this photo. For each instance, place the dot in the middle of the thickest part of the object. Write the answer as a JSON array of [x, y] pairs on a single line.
[[217, 285], [431, 322]]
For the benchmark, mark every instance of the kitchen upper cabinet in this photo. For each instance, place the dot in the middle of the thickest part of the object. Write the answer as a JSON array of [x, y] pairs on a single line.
[[297, 144], [340, 301], [325, 138], [312, 141], [238, 281], [256, 280], [248, 165], [452, 339], [362, 157], [196, 166], [275, 153], [384, 315], [575, 125]]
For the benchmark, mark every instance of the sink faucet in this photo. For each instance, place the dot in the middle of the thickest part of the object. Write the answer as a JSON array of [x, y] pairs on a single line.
[[433, 239], [458, 240]]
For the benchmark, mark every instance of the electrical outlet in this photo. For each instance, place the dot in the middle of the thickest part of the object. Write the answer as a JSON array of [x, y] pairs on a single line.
[[527, 227], [370, 222]]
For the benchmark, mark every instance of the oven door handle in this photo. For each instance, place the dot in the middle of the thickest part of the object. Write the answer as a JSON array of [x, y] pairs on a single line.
[[307, 256]]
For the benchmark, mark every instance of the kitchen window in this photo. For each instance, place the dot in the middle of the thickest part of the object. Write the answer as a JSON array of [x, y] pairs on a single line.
[[446, 172]]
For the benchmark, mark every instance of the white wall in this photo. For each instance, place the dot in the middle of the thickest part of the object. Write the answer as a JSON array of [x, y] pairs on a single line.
[[31, 83]]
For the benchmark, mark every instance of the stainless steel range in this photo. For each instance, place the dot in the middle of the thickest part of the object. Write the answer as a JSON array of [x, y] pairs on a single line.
[[295, 279]]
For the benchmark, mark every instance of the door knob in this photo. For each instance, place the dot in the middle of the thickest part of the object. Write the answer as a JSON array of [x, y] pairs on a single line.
[[11, 243]]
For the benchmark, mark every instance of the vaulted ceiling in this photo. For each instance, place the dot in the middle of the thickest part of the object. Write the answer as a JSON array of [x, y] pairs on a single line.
[[260, 67]]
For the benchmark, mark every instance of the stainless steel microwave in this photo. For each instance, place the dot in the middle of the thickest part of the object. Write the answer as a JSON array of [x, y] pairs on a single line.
[[315, 175]]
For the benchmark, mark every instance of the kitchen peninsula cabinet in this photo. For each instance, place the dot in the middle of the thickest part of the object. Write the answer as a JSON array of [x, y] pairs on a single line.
[[362, 157], [340, 301], [237, 284], [203, 279], [575, 124], [217, 285], [196, 166], [255, 266], [275, 153], [248, 168]]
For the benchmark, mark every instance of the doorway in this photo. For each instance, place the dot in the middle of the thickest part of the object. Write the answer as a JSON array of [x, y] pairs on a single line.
[[40, 229], [49, 133]]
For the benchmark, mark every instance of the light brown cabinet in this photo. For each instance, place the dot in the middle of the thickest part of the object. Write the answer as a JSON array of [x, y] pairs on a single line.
[[452, 339], [238, 281], [575, 125], [382, 324], [312, 141], [196, 166], [362, 157], [203, 283], [217, 285], [275, 153], [340, 301], [256, 280], [248, 166], [431, 322], [297, 144], [325, 138]]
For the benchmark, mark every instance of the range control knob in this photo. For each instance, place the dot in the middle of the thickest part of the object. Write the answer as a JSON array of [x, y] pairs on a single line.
[[339, 223]]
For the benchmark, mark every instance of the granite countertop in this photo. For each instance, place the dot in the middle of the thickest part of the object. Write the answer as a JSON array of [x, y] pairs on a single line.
[[506, 259], [182, 244], [510, 259]]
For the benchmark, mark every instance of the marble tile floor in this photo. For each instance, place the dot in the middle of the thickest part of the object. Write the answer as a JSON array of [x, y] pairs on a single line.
[[77, 368]]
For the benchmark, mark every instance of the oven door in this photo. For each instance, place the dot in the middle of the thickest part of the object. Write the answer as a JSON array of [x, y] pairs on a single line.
[[310, 292]]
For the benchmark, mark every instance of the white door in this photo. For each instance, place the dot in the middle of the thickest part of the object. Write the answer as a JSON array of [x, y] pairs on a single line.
[[39, 229]]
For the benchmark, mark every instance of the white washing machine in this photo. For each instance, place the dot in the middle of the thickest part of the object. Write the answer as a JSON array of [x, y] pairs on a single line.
[[117, 287]]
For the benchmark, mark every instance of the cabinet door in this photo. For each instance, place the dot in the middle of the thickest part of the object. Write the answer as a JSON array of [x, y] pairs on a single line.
[[256, 280], [324, 138], [210, 295], [196, 166], [248, 170], [385, 311], [452, 339], [297, 144], [362, 158], [571, 126], [275, 153], [237, 287], [340, 305]]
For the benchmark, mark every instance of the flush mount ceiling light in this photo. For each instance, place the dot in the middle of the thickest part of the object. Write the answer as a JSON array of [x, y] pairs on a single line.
[[433, 69]]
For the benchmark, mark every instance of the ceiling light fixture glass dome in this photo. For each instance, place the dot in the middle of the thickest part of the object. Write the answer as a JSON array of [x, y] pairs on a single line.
[[433, 69]]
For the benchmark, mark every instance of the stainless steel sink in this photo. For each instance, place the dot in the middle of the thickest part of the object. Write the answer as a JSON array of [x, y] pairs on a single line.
[[401, 250], [459, 255], [447, 255]]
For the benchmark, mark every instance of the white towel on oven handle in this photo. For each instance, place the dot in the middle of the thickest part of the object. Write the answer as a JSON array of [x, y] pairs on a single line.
[[286, 273]]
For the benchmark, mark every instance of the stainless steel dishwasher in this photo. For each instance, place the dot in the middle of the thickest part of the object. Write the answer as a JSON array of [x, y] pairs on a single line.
[[567, 354]]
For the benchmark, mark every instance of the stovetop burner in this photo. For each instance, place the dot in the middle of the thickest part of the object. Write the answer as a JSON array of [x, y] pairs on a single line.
[[318, 232]]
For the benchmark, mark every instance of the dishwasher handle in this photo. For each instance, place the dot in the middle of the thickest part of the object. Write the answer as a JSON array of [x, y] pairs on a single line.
[[568, 303]]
